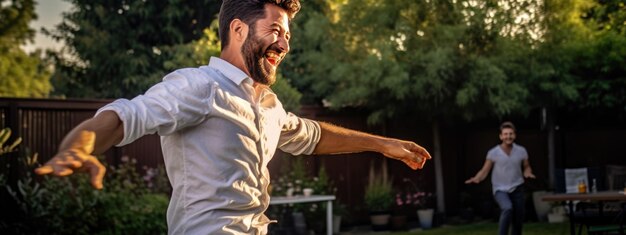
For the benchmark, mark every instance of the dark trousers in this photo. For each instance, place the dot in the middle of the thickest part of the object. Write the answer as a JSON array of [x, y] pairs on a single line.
[[511, 210]]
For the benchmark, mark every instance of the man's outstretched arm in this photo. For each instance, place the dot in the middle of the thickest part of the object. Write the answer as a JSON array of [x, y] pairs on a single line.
[[336, 140], [481, 174], [93, 136]]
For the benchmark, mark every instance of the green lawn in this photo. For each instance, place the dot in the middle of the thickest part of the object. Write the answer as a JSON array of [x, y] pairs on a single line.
[[488, 228]]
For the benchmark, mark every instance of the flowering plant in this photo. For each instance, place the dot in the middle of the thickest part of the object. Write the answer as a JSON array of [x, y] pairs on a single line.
[[412, 196]]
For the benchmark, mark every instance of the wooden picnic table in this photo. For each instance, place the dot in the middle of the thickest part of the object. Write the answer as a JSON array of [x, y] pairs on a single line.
[[598, 197]]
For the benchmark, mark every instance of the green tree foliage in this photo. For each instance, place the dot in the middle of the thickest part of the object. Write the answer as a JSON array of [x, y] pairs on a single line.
[[21, 74], [195, 53], [460, 58], [120, 48], [311, 44], [607, 15], [600, 63], [431, 57], [582, 56]]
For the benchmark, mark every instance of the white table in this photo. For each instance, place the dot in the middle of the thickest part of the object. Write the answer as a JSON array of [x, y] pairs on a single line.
[[313, 198]]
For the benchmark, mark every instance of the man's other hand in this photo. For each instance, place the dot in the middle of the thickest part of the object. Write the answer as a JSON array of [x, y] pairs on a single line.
[[77, 157], [410, 153], [473, 180], [529, 175]]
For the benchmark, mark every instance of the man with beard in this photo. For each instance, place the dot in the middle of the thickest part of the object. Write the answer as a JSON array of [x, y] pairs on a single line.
[[220, 125], [507, 179]]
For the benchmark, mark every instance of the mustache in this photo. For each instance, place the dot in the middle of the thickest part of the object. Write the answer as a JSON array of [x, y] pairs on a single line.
[[275, 47]]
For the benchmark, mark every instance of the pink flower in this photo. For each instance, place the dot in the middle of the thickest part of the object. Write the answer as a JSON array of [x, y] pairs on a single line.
[[412, 196], [399, 201]]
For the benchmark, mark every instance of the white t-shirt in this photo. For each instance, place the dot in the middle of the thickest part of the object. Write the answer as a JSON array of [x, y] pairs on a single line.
[[507, 169]]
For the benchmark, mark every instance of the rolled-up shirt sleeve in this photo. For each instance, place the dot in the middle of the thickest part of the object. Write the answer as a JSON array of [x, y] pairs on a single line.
[[177, 102], [299, 135]]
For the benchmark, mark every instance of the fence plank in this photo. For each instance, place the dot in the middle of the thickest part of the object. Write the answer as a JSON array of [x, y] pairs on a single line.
[[42, 124]]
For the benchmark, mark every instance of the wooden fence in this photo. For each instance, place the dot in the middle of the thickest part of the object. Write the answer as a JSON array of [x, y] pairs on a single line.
[[42, 123]]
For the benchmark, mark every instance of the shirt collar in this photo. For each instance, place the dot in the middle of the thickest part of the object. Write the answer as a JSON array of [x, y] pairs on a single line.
[[230, 71]]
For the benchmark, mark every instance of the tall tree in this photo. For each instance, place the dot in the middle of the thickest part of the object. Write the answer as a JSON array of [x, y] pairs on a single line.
[[313, 42], [21, 74], [578, 66], [119, 48], [602, 57], [430, 59], [579, 62], [444, 55]]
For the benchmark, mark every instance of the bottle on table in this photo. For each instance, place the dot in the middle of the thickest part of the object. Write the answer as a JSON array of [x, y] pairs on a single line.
[[594, 186], [582, 187]]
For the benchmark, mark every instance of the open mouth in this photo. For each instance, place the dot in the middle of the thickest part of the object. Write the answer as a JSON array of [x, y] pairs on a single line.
[[272, 57]]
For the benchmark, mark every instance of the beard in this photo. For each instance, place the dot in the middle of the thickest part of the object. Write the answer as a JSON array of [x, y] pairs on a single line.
[[254, 57]]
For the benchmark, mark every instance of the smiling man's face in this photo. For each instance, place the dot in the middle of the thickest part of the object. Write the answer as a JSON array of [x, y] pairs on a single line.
[[507, 136], [267, 44]]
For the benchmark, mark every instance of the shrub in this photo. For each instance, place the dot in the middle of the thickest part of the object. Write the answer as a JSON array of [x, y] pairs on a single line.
[[69, 205]]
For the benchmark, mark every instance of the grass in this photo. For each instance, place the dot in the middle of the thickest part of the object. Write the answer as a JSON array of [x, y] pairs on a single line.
[[490, 228]]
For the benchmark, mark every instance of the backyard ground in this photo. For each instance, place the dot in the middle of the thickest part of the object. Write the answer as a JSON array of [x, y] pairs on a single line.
[[481, 228]]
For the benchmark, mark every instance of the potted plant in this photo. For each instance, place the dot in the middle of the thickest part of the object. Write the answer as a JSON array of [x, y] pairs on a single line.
[[422, 200], [556, 214], [399, 218], [425, 212], [379, 198], [339, 211]]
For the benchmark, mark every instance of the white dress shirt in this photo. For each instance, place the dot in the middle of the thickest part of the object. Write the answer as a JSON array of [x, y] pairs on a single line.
[[216, 141]]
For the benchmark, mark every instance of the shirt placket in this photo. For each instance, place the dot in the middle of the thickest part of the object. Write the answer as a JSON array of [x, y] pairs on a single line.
[[262, 149], [258, 122]]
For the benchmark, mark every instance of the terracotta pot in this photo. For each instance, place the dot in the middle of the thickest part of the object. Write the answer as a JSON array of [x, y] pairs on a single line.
[[380, 221]]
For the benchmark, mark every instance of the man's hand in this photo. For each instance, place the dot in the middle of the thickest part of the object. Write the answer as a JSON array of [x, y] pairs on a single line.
[[528, 175], [77, 157], [473, 180], [410, 153]]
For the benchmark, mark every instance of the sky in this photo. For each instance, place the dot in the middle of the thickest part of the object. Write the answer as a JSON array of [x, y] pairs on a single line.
[[49, 15]]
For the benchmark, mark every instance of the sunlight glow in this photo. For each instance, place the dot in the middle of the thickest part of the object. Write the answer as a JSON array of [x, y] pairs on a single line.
[[400, 41], [525, 15]]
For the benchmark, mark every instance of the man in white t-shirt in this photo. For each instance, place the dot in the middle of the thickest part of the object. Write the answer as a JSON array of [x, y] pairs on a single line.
[[220, 125], [507, 160]]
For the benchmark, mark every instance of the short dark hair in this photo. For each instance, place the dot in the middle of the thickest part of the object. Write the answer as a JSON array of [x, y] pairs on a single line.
[[507, 125], [249, 11]]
